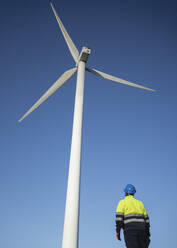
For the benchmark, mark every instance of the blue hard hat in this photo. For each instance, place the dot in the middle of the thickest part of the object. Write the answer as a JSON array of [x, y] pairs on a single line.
[[130, 189]]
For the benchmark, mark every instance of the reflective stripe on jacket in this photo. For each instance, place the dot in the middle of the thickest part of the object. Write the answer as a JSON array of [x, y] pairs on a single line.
[[131, 214]]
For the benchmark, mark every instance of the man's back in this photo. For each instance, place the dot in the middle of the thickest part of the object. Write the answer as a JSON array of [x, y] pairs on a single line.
[[131, 214]]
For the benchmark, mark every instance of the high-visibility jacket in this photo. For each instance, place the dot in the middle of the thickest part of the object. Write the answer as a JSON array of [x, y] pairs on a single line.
[[131, 214]]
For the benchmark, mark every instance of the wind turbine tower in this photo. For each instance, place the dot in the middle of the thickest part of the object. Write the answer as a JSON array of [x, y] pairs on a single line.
[[71, 220]]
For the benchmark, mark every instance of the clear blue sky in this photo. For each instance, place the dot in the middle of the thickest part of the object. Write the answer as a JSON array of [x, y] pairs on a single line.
[[129, 135]]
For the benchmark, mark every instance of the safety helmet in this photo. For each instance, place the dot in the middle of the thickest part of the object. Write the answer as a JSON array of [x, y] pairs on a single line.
[[130, 189]]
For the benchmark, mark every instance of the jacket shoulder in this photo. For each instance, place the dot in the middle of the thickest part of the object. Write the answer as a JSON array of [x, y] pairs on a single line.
[[140, 203], [120, 206]]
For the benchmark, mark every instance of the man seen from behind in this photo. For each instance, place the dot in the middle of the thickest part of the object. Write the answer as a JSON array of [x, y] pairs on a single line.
[[132, 217]]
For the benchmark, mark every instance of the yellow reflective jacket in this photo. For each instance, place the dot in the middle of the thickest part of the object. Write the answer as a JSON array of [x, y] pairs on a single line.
[[131, 214]]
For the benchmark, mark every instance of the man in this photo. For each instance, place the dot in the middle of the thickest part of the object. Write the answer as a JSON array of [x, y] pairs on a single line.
[[132, 217]]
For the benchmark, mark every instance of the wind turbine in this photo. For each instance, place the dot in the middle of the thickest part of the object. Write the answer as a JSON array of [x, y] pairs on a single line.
[[71, 221]]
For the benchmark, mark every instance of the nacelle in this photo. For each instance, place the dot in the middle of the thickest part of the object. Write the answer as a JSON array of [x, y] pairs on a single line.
[[84, 54]]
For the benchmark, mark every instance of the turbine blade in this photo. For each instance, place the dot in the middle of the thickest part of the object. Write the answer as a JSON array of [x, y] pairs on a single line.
[[64, 77], [71, 46], [116, 79]]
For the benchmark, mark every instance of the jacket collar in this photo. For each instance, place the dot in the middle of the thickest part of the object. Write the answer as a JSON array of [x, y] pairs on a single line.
[[130, 196]]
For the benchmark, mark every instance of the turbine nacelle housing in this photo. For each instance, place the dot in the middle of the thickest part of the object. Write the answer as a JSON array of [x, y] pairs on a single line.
[[84, 54]]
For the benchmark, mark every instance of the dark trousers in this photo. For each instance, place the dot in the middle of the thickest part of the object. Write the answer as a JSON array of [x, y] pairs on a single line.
[[136, 239]]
